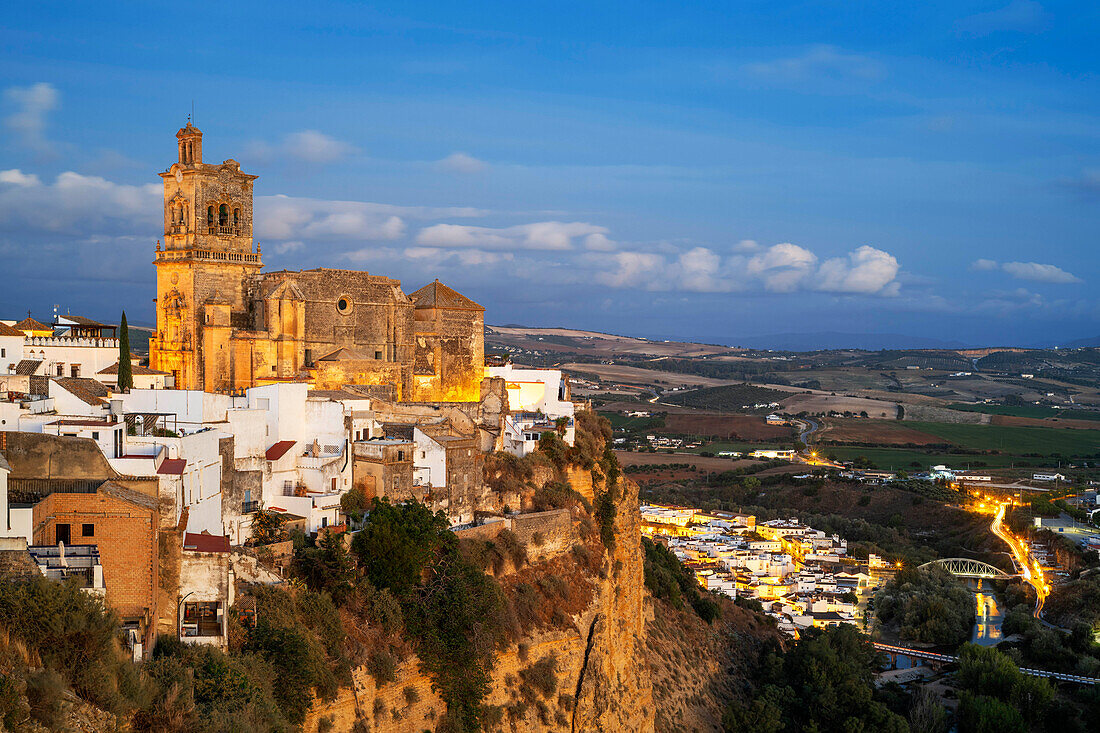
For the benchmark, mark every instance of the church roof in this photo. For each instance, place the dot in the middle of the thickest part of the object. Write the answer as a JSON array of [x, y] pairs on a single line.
[[437, 295], [189, 129], [29, 324], [341, 354]]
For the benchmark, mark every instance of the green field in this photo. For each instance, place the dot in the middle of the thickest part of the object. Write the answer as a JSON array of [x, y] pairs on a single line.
[[900, 458], [1036, 411], [1015, 441], [619, 421]]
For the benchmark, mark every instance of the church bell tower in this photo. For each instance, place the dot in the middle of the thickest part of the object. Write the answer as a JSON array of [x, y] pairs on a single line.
[[206, 258]]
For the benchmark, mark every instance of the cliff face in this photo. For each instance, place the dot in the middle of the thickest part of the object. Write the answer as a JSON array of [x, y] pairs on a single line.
[[587, 673]]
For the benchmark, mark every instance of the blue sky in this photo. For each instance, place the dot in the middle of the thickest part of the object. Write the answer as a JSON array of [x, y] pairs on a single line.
[[678, 170]]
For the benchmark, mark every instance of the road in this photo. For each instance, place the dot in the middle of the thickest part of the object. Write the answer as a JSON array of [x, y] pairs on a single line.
[[808, 427], [1028, 566]]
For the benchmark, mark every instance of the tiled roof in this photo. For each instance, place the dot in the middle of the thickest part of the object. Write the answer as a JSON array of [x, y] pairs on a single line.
[[134, 369], [278, 450], [29, 324], [87, 390], [27, 367], [437, 295], [82, 321], [172, 466], [343, 353], [6, 330], [205, 542]]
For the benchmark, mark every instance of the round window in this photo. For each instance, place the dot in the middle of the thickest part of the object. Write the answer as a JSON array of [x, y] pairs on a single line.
[[343, 305]]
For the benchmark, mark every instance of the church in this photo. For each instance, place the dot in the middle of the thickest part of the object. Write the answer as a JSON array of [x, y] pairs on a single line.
[[224, 325]]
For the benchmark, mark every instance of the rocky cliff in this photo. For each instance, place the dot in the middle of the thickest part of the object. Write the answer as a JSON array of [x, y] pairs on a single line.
[[579, 666]]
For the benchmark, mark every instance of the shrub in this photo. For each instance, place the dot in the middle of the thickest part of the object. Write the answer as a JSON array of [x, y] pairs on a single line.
[[542, 676], [381, 666], [397, 543]]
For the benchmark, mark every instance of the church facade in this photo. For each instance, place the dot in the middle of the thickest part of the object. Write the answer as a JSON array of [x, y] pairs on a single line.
[[225, 325]]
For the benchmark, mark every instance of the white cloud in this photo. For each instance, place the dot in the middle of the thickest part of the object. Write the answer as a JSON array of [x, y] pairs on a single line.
[[305, 146], [820, 62], [866, 271], [783, 268], [466, 257], [1021, 16], [17, 177], [544, 235], [985, 265], [746, 245], [32, 107], [79, 204], [1039, 273], [460, 162], [290, 218], [1033, 271], [634, 270]]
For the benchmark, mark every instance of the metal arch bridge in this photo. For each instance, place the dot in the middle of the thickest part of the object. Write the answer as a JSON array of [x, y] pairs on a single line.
[[962, 567], [933, 657]]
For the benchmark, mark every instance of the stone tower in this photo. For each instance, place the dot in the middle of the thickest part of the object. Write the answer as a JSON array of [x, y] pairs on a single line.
[[203, 266]]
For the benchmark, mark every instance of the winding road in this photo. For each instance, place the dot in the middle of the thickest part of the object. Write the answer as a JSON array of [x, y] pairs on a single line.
[[1028, 567]]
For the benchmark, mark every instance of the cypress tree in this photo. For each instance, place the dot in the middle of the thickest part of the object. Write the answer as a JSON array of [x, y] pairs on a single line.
[[125, 371]]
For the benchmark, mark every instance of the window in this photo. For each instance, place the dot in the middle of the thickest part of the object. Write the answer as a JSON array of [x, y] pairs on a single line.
[[223, 215], [378, 355], [201, 619], [400, 455], [63, 533], [324, 520], [334, 485], [210, 216], [95, 435], [343, 305], [87, 530], [60, 370], [3, 353], [236, 217]]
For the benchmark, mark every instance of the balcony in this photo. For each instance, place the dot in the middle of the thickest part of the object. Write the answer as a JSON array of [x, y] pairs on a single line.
[[250, 507], [224, 230]]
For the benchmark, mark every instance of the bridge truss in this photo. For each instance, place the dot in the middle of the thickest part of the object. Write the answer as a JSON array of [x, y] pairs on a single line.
[[962, 567]]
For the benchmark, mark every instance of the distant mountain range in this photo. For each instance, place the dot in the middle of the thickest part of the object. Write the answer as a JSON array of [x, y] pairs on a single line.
[[837, 340], [1081, 343]]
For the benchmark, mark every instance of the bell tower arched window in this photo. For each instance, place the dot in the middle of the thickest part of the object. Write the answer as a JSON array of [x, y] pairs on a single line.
[[210, 216], [223, 216], [236, 218]]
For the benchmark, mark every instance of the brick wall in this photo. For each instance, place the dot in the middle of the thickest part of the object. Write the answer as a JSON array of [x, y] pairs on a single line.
[[127, 537]]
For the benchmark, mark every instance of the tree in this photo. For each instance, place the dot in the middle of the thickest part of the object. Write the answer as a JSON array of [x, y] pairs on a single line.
[[125, 370], [267, 527], [824, 683], [397, 543], [985, 714]]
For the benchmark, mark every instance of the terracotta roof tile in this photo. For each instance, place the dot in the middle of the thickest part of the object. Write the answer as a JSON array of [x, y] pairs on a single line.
[[29, 324], [437, 295], [278, 450], [172, 466], [205, 542], [87, 390], [27, 367], [134, 369], [6, 330]]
